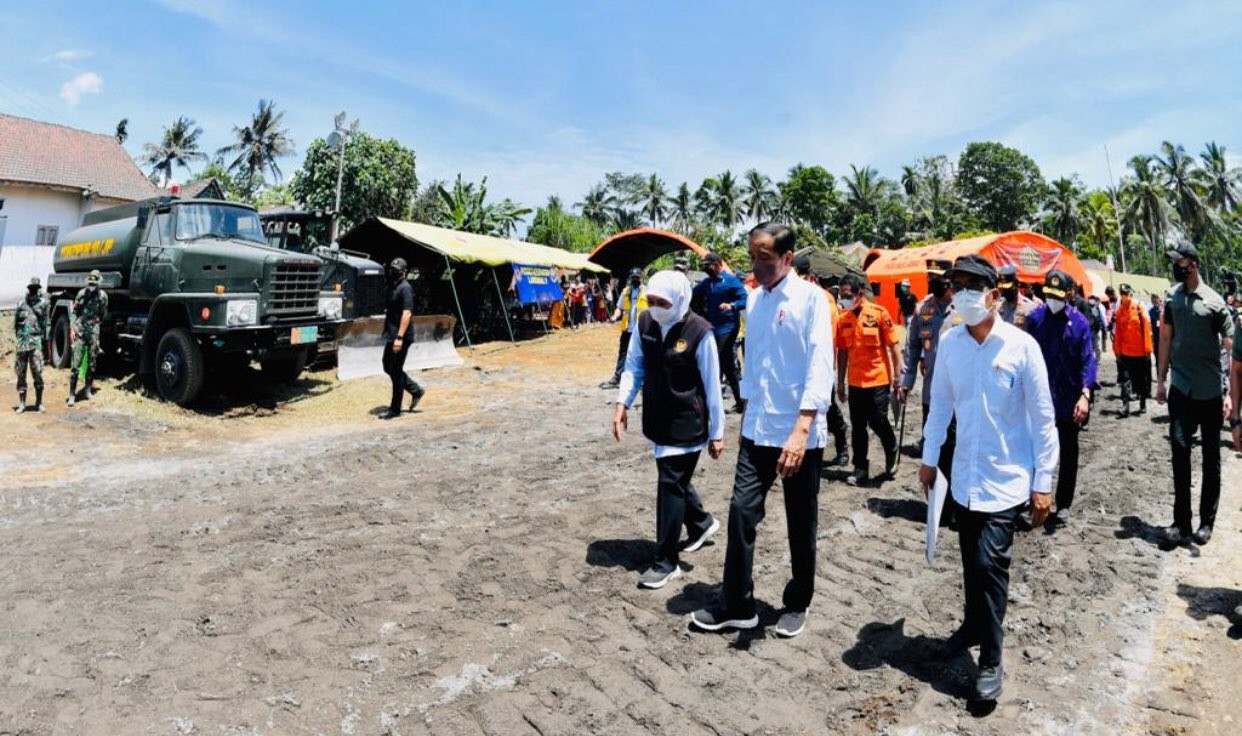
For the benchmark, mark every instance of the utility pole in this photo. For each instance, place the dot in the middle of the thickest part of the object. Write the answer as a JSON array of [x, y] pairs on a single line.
[[339, 137], [1112, 192]]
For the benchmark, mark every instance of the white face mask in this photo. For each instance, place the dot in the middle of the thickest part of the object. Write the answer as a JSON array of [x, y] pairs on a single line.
[[847, 304], [665, 316], [1056, 305], [970, 306]]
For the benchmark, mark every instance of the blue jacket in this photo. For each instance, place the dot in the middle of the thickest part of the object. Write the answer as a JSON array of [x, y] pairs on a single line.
[[1065, 341], [713, 291]]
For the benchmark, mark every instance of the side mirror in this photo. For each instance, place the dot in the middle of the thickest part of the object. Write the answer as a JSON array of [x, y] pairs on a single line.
[[144, 213]]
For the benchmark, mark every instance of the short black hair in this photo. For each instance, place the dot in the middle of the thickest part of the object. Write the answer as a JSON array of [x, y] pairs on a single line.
[[852, 281], [783, 239]]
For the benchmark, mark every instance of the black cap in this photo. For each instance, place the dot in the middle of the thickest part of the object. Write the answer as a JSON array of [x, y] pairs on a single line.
[[397, 264], [1006, 276], [1184, 249], [1125, 289], [636, 272], [802, 265], [712, 258], [974, 265], [1058, 284], [680, 263]]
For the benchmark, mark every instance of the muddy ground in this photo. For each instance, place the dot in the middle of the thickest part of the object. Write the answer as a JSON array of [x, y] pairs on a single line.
[[280, 562]]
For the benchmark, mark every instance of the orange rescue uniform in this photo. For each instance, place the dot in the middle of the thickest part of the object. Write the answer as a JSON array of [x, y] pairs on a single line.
[[1131, 330], [866, 333]]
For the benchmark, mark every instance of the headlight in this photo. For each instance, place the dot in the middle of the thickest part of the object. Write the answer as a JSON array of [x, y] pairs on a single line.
[[242, 312], [330, 307]]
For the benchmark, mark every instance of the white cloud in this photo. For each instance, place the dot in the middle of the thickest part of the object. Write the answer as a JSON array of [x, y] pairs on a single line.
[[66, 56], [84, 83]]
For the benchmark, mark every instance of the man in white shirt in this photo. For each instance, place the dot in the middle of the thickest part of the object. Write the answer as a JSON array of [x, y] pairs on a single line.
[[787, 387], [991, 376]]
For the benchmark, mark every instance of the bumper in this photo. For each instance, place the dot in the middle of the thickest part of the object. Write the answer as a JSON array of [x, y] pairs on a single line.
[[311, 334]]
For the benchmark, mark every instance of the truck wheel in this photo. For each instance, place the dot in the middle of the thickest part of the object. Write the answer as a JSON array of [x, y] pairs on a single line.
[[286, 368], [179, 367], [61, 349]]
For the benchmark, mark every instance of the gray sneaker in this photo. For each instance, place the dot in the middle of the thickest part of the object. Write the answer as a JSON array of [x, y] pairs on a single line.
[[694, 544], [791, 623], [653, 578], [718, 619]]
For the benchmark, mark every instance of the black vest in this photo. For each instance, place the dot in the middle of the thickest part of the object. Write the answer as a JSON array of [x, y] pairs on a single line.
[[674, 400]]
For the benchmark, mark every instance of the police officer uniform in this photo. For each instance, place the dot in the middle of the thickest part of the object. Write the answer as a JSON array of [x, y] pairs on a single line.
[[932, 318]]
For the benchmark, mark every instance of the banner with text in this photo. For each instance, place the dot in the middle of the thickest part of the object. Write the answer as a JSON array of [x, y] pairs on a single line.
[[536, 284]]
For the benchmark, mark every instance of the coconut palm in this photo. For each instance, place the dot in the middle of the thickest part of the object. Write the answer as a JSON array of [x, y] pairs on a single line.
[[910, 182], [1147, 210], [625, 219], [863, 190], [1178, 170], [503, 217], [1062, 210], [122, 131], [683, 209], [1222, 185], [177, 147], [759, 197], [726, 205], [1099, 219], [598, 204], [258, 146], [653, 200]]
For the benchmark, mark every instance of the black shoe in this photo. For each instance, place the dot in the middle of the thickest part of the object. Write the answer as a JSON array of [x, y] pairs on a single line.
[[611, 383], [989, 684], [1203, 536], [1142, 406], [1061, 517], [890, 463], [1176, 535], [959, 641], [1125, 409], [858, 478], [841, 458], [738, 408], [390, 414], [718, 619], [417, 397]]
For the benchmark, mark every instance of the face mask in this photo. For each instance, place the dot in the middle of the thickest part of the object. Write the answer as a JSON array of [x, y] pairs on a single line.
[[938, 288], [847, 304], [92, 288], [664, 315], [1056, 305], [971, 306], [1180, 273], [635, 282]]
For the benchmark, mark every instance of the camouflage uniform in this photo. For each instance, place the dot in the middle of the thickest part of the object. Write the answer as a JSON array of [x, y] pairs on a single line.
[[30, 328], [90, 307]]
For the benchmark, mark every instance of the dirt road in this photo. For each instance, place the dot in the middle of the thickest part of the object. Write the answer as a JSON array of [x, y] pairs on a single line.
[[283, 563]]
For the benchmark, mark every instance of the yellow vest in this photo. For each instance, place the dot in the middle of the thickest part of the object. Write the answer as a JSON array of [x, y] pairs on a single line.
[[625, 305]]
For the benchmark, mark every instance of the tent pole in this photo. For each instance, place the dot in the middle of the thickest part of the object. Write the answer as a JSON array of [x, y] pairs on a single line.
[[464, 331], [503, 311]]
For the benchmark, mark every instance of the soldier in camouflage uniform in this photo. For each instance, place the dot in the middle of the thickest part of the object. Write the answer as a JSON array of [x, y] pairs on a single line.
[[30, 327], [90, 307]]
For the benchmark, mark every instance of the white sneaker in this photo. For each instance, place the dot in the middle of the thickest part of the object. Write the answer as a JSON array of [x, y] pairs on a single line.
[[694, 544], [653, 578]]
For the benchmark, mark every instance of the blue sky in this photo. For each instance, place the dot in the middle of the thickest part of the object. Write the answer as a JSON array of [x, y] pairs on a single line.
[[544, 97]]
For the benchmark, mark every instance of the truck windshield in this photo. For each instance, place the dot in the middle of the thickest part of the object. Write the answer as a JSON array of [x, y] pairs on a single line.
[[195, 221]]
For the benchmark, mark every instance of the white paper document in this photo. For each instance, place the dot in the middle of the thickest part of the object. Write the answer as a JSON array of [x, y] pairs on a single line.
[[936, 496]]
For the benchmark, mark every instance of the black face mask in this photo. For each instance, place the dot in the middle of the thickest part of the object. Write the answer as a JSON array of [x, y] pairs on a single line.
[[635, 282], [32, 295], [938, 287], [1180, 273]]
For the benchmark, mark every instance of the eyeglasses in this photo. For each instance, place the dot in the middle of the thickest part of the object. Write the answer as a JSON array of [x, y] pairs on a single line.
[[976, 286]]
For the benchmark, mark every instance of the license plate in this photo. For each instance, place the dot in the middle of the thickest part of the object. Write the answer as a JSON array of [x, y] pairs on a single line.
[[303, 335]]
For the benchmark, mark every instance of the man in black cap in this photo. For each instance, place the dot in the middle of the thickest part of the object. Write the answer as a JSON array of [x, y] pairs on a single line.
[[1194, 328], [398, 334], [1133, 347], [631, 302], [991, 376], [722, 299]]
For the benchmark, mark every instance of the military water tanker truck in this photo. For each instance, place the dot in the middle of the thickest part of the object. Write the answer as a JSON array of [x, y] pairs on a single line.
[[193, 287]]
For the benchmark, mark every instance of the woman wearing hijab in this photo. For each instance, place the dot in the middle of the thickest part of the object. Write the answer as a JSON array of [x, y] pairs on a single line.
[[672, 357]]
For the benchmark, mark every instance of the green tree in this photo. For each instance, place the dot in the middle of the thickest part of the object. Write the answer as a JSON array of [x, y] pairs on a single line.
[[274, 196], [214, 170], [864, 190], [810, 196], [598, 204], [559, 229], [259, 145], [426, 205], [1221, 183], [759, 197], [1098, 225], [683, 209], [1062, 217], [379, 179], [1147, 210], [1178, 170], [1000, 185], [726, 202], [653, 200], [177, 147]]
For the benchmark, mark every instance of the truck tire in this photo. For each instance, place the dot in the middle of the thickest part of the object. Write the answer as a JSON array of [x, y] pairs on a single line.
[[62, 351], [286, 368], [179, 368]]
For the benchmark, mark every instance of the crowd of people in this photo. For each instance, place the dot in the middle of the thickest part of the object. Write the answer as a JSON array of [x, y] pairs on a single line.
[[1009, 380]]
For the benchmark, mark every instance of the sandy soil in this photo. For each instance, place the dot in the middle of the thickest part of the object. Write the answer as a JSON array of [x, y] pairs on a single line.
[[280, 562]]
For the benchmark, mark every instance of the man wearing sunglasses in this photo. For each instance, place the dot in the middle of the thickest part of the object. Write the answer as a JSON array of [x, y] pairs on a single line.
[[991, 376]]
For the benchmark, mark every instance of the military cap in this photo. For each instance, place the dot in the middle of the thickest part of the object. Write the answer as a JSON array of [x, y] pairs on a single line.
[[1125, 289], [802, 265], [1184, 249], [34, 283], [1007, 276], [398, 264], [974, 265], [1057, 284], [94, 277], [712, 258]]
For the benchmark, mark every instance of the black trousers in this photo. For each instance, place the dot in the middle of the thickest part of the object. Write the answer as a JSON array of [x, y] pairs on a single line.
[[755, 473], [622, 348], [726, 345], [1067, 473], [1134, 375], [677, 505], [869, 408], [394, 366], [836, 425], [1185, 416], [986, 542]]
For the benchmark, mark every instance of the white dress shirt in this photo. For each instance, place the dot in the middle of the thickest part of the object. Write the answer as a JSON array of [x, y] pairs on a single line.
[[787, 364], [708, 360], [1006, 430]]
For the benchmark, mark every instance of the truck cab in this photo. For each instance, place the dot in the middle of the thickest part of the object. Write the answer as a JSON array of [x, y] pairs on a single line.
[[312, 232]]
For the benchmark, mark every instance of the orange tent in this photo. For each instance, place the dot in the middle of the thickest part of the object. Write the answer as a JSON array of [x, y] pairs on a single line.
[[1034, 255]]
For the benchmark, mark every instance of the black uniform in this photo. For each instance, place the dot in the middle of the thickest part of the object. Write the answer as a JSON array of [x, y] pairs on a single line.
[[400, 299]]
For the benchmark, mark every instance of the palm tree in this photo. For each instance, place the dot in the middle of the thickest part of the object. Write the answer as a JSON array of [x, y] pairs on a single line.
[[503, 217], [759, 197], [598, 204], [554, 203], [683, 209], [1148, 210], [726, 206], [259, 145], [623, 219], [1099, 219], [1062, 209], [178, 147], [863, 190], [653, 200], [122, 131], [1178, 168], [1221, 184], [705, 199], [910, 182]]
